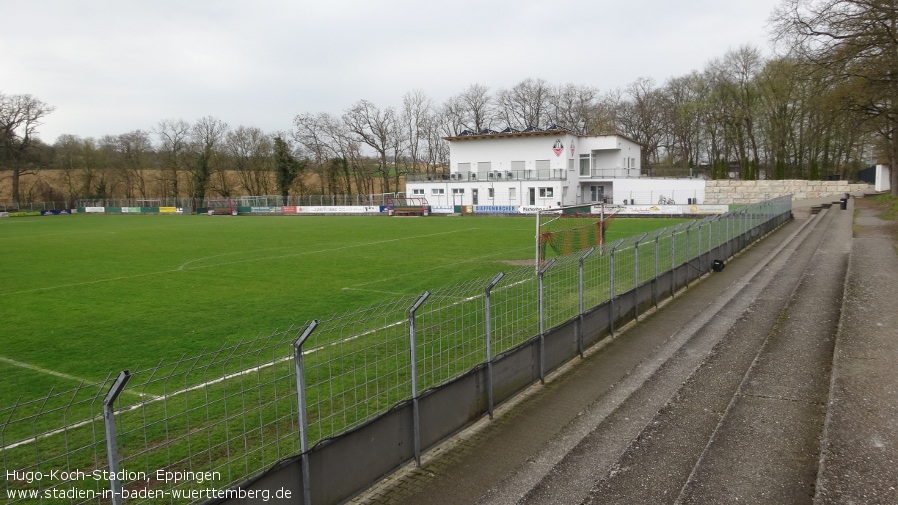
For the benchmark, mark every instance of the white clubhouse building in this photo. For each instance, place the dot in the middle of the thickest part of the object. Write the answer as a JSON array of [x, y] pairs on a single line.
[[519, 171]]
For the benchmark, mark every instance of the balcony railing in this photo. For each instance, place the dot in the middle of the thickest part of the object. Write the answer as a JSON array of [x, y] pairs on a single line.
[[551, 174]]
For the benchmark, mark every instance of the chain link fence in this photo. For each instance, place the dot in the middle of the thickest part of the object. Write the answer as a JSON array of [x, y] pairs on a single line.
[[178, 431]]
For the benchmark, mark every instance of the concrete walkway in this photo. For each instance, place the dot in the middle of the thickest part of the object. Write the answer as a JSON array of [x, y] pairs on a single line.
[[770, 382]]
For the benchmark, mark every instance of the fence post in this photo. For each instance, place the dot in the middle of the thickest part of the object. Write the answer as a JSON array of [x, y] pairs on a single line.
[[686, 249], [580, 299], [118, 386], [489, 343], [303, 410], [673, 260], [636, 275], [698, 243], [611, 287], [657, 267], [542, 322], [414, 363]]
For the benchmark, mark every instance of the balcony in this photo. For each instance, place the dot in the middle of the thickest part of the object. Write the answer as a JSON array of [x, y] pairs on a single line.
[[551, 174], [613, 173]]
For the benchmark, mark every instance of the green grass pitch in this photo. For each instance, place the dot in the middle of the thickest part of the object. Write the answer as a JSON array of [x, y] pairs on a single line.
[[86, 296]]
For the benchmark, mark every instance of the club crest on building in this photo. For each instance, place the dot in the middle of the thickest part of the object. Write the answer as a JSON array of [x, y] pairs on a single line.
[[558, 147]]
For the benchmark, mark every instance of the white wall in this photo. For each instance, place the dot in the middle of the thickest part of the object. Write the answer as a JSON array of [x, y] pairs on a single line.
[[649, 191], [501, 151], [883, 181]]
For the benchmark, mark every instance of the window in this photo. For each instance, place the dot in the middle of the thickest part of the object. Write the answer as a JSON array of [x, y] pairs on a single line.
[[570, 164], [437, 191], [543, 164], [490, 193], [584, 165], [545, 192], [418, 192], [596, 193], [464, 167], [458, 191], [511, 194], [484, 166]]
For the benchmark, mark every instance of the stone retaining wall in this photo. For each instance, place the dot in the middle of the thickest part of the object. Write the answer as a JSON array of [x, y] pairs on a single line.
[[723, 192]]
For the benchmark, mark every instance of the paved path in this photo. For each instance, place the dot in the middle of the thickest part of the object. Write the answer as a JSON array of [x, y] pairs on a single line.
[[770, 382]]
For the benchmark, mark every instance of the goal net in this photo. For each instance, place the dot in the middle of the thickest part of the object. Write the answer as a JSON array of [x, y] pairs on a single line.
[[568, 230], [221, 207]]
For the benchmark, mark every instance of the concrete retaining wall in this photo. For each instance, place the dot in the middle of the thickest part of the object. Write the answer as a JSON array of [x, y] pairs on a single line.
[[724, 192]]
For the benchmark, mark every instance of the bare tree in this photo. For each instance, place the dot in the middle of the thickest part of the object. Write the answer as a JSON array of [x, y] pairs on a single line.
[[416, 111], [375, 128], [855, 41], [325, 138], [525, 105], [684, 100], [735, 75], [174, 143], [577, 109], [134, 148], [640, 117], [470, 110], [20, 116], [251, 152]]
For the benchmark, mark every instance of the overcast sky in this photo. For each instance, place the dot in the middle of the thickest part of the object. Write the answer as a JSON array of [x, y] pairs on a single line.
[[109, 67]]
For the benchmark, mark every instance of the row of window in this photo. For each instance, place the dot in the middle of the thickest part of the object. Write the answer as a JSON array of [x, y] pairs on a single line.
[[543, 192]]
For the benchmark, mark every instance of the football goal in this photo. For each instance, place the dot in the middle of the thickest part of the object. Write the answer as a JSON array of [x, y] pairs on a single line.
[[566, 230], [221, 207]]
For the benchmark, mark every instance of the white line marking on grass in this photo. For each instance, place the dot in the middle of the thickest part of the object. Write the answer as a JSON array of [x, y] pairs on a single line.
[[438, 267], [35, 368], [185, 266], [380, 291], [154, 399]]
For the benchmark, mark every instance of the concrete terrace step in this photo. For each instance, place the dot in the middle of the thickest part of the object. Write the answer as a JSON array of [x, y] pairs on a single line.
[[859, 461], [730, 405]]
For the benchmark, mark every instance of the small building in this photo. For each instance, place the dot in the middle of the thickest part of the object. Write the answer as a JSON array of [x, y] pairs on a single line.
[[513, 171]]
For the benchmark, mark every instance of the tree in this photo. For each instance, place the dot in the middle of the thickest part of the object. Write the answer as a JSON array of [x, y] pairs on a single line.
[[526, 104], [287, 168], [416, 109], [251, 152], [377, 129], [20, 115], [735, 76], [577, 108], [641, 118], [206, 135], [470, 110], [855, 41], [174, 144], [134, 147]]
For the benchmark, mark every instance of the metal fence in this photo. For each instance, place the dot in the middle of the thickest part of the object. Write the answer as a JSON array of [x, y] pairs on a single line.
[[244, 201], [183, 431]]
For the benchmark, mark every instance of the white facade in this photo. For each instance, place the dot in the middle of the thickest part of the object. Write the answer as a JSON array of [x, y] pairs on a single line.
[[512, 170]]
